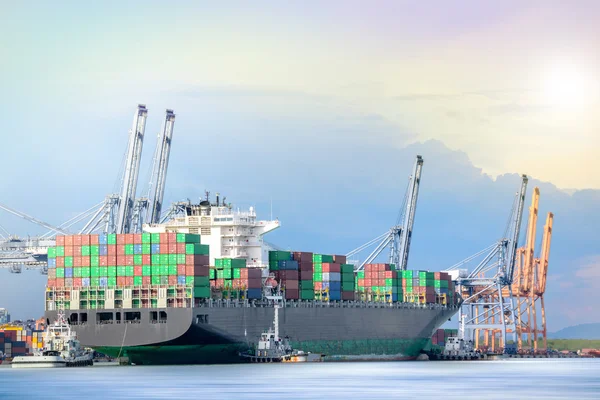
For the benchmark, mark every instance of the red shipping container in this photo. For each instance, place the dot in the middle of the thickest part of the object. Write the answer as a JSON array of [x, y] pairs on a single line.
[[129, 238], [361, 282], [85, 261], [290, 284], [172, 280], [194, 259], [111, 261], [120, 240], [289, 275], [68, 251], [244, 273], [172, 248], [121, 260], [137, 238], [303, 256], [137, 270], [181, 248], [318, 285], [103, 261], [85, 240], [129, 260], [306, 266], [76, 282], [146, 259], [306, 275], [129, 280], [69, 240], [94, 239], [164, 238], [76, 251], [120, 249], [77, 261], [146, 280], [292, 294], [219, 283], [196, 270], [388, 274], [181, 270], [60, 262], [254, 283], [347, 295], [368, 282], [76, 240], [444, 276], [60, 240], [51, 283], [172, 237], [339, 259], [430, 298], [331, 267], [59, 282], [254, 273], [436, 275]]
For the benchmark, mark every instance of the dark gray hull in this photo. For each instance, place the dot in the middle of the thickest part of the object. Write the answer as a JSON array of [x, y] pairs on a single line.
[[215, 334]]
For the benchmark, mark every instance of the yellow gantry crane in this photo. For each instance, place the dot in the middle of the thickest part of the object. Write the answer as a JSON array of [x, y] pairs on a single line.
[[529, 284]]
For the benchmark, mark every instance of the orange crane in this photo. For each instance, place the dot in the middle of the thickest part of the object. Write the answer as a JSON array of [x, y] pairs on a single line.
[[529, 284]]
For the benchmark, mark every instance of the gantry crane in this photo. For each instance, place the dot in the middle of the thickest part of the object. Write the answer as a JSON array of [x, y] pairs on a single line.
[[529, 285], [399, 236], [484, 307]]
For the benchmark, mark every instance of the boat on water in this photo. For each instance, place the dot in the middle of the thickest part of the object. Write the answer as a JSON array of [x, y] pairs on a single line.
[[61, 349], [271, 348]]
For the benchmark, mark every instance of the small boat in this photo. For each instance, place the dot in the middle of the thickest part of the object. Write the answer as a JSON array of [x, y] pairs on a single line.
[[271, 348], [61, 349]]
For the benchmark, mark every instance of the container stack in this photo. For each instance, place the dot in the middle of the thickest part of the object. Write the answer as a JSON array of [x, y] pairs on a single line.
[[348, 281], [129, 260], [286, 271], [320, 289], [16, 341], [379, 282], [305, 274], [235, 280]]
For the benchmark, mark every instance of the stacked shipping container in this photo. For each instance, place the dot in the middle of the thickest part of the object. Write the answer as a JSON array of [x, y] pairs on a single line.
[[235, 280], [130, 260], [15, 341]]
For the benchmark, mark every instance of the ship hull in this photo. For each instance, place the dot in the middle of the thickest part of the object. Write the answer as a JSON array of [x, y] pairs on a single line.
[[209, 335]]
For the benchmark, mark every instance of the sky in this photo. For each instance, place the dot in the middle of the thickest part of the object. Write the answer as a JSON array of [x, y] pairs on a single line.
[[319, 108]]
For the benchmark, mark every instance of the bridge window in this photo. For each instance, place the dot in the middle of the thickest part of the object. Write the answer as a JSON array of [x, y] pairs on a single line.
[[153, 317], [73, 319], [83, 318], [162, 316], [104, 318]]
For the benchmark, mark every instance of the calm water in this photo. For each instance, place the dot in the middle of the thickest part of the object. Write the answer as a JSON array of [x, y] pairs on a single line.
[[510, 379]]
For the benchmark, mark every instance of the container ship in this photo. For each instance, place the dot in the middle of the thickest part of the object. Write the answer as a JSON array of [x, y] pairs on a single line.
[[199, 289]]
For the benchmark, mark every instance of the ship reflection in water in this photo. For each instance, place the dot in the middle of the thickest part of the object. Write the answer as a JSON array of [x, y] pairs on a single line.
[[524, 379]]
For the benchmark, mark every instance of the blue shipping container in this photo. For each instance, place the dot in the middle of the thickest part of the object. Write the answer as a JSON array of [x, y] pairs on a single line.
[[103, 250], [85, 281], [181, 280], [288, 265], [254, 293], [137, 249], [52, 263], [68, 272], [155, 248], [335, 295], [104, 281], [102, 239]]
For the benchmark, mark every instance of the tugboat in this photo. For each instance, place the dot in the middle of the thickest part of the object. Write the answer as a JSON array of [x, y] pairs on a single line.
[[61, 349], [271, 348]]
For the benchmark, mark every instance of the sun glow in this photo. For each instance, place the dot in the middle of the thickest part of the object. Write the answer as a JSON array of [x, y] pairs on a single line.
[[567, 86]]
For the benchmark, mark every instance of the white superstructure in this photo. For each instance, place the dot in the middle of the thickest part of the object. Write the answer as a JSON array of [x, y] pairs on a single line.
[[231, 233]]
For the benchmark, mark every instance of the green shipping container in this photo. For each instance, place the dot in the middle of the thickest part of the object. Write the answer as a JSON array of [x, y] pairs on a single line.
[[212, 274], [146, 270], [318, 267], [94, 281], [164, 280], [128, 249], [85, 272], [60, 272], [155, 280], [146, 248], [137, 259], [112, 281], [164, 259], [389, 281], [164, 270], [60, 251], [201, 292], [85, 251], [307, 285], [76, 272], [360, 274], [227, 274], [237, 273], [317, 276], [307, 294], [347, 286], [95, 261], [348, 277], [219, 274], [188, 238], [322, 258], [408, 289], [111, 272], [146, 238], [280, 256], [68, 261], [198, 281], [94, 250], [51, 252], [219, 262], [121, 270], [180, 258], [197, 248], [172, 259], [172, 269], [137, 281], [273, 265], [95, 272], [155, 269], [347, 269], [111, 238], [102, 271], [155, 259], [155, 238]]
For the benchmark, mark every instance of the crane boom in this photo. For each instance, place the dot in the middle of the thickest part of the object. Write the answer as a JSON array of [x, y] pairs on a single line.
[[132, 167], [163, 149], [512, 255], [545, 255], [409, 219], [34, 220], [530, 243]]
